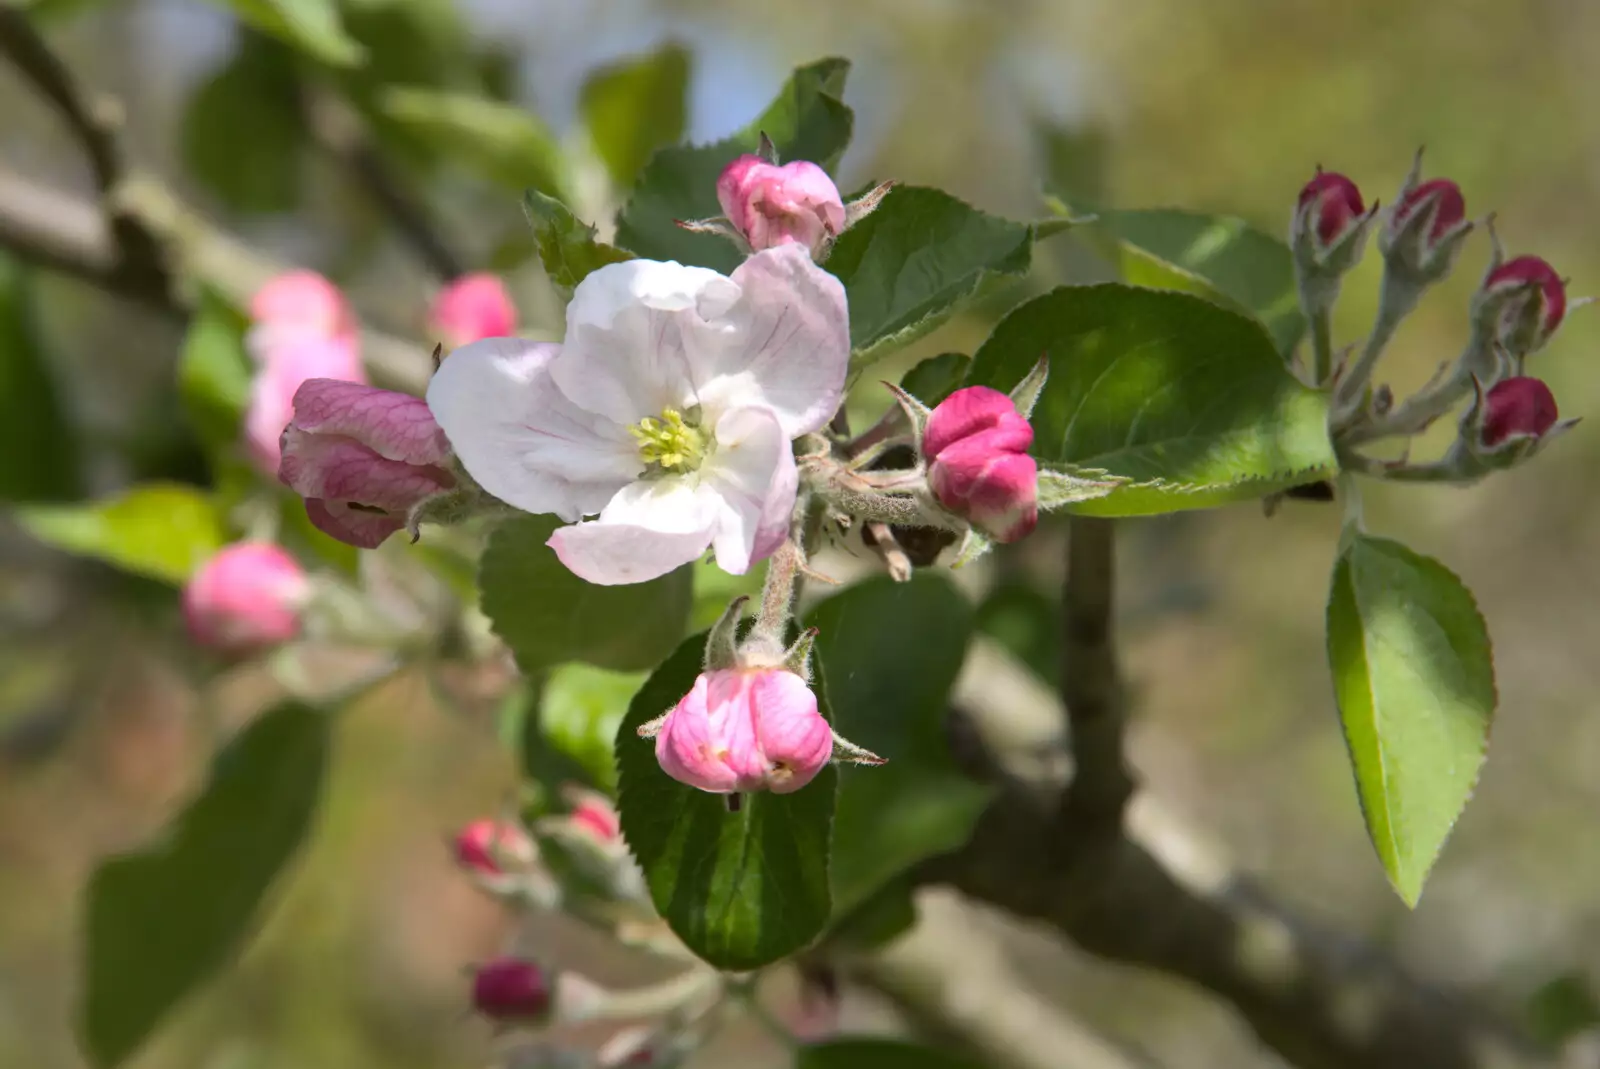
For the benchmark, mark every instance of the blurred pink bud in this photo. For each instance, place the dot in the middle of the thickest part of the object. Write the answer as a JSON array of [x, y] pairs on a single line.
[[484, 845], [1515, 409], [512, 990], [1329, 205], [770, 205], [363, 458], [745, 729], [595, 814], [1440, 196], [305, 302], [471, 308], [1531, 299], [248, 595], [976, 446]]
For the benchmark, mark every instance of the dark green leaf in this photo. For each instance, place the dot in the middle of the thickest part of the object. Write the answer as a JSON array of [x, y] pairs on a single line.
[[1188, 401], [312, 26], [567, 247], [936, 378], [891, 652], [908, 265], [214, 373], [807, 121], [1251, 270], [412, 42], [636, 106], [1028, 624], [549, 616], [39, 455], [1414, 675], [879, 1054], [161, 921], [502, 142], [579, 713], [886, 915], [159, 530], [1563, 1008], [741, 889], [256, 91]]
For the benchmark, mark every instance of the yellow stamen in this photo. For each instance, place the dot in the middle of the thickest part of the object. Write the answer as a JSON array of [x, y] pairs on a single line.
[[669, 442]]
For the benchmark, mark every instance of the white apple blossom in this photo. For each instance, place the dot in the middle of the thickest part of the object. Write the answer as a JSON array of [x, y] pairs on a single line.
[[668, 411]]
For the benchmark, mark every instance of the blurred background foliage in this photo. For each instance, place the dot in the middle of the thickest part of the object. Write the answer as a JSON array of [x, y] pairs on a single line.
[[1224, 106]]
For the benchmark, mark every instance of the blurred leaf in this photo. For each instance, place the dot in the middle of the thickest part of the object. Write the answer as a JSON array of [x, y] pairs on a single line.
[[1028, 624], [163, 920], [1414, 675], [715, 588], [312, 26], [1189, 401], [741, 889], [636, 106], [1076, 160], [502, 142], [886, 915], [806, 121], [549, 616], [214, 373], [1251, 270], [579, 715], [301, 536], [159, 530], [908, 265], [1563, 1008], [936, 378], [891, 652], [412, 42], [879, 1054], [39, 454], [567, 247], [258, 91]]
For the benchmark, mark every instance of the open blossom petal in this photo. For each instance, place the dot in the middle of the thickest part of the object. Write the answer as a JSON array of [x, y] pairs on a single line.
[[521, 438], [647, 530], [754, 474]]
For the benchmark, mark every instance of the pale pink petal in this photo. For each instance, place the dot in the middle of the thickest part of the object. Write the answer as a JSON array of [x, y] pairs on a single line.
[[520, 438], [285, 365], [342, 469], [684, 746], [795, 738], [394, 425], [733, 189], [306, 300], [753, 473], [648, 529], [733, 727]]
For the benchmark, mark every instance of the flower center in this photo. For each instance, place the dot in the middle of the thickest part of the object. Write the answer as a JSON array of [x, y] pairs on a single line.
[[671, 443]]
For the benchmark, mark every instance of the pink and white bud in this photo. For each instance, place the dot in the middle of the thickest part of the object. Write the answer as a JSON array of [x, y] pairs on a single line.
[[485, 847], [511, 990], [471, 308], [1528, 301], [976, 448], [303, 302], [1516, 409], [247, 596], [1328, 208], [364, 459], [743, 730], [593, 814], [770, 205]]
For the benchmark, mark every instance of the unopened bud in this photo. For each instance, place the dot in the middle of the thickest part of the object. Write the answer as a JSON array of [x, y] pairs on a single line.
[[511, 990], [486, 846], [473, 307], [1515, 410], [1424, 230], [594, 814], [770, 205], [975, 445], [1522, 301], [247, 596], [1327, 235]]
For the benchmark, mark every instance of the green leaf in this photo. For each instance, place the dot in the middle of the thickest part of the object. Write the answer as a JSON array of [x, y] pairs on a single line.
[[1414, 675], [636, 106], [806, 121], [936, 378], [39, 455], [549, 616], [1188, 401], [163, 920], [567, 247], [891, 652], [1247, 268], [1563, 1007], [886, 915], [579, 714], [214, 373], [908, 265], [257, 90], [312, 26], [502, 142], [878, 1054], [741, 889], [159, 530]]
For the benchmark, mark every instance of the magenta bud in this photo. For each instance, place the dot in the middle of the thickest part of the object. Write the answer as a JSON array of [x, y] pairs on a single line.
[[471, 308], [1516, 409], [1530, 299], [485, 845], [1440, 196], [1329, 205], [364, 459], [975, 445], [770, 205], [247, 596], [594, 814], [745, 730], [511, 990], [1423, 234]]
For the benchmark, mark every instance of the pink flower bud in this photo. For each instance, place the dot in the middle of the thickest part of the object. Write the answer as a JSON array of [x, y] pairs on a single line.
[[512, 990], [1514, 409], [1441, 196], [248, 595], [1531, 301], [770, 205], [483, 845], [305, 302], [363, 458], [976, 446], [745, 729], [595, 814], [1329, 205], [471, 308]]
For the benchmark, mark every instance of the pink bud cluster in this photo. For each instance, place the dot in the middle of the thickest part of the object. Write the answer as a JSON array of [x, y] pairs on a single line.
[[976, 448]]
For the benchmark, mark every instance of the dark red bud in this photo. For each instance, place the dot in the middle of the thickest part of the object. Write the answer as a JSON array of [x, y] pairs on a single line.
[[1521, 407], [1450, 211], [511, 990], [1531, 270], [1335, 202]]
